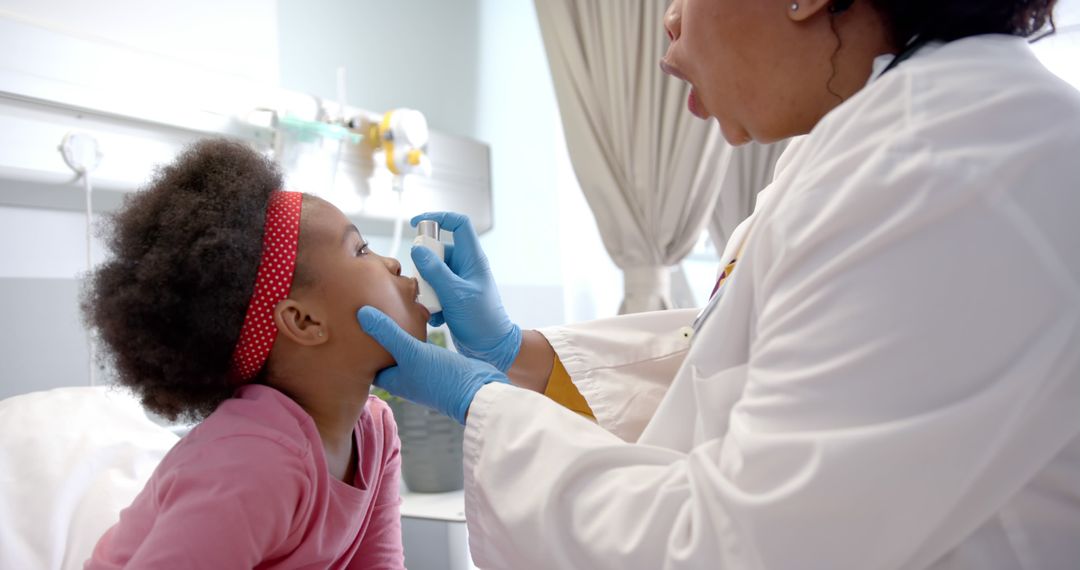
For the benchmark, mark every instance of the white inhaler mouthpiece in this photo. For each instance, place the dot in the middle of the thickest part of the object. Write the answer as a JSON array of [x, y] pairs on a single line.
[[427, 235]]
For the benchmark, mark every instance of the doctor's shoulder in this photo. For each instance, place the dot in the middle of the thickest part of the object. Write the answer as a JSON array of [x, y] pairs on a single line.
[[990, 90], [975, 121], [957, 111]]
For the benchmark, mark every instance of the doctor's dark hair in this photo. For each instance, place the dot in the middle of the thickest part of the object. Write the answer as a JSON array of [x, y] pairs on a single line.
[[947, 20], [168, 305]]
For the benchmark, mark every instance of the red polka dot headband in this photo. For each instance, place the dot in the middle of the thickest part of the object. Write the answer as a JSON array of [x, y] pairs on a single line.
[[272, 285]]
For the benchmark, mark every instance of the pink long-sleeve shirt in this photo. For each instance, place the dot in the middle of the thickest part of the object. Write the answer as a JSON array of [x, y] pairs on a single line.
[[249, 488]]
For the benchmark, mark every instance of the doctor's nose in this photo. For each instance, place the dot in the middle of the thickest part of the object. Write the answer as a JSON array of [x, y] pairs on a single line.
[[673, 20], [393, 265]]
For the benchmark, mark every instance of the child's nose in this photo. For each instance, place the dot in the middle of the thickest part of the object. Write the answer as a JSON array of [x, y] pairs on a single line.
[[393, 265]]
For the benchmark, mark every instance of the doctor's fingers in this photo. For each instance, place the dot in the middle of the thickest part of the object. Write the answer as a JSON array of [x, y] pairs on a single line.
[[438, 274], [397, 382], [437, 320], [467, 265], [389, 379], [447, 220], [459, 224], [400, 344]]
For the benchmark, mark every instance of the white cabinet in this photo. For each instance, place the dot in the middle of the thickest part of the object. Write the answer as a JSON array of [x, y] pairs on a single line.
[[433, 531]]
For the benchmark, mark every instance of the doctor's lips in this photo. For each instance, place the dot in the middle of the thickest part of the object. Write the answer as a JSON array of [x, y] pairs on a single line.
[[672, 71], [692, 102]]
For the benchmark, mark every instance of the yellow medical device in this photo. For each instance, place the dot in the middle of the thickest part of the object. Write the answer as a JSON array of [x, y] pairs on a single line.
[[400, 140]]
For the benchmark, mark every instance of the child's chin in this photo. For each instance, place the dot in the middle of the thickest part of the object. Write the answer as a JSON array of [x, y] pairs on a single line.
[[418, 328]]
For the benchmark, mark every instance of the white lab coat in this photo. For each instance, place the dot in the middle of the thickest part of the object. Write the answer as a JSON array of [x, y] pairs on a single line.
[[891, 378]]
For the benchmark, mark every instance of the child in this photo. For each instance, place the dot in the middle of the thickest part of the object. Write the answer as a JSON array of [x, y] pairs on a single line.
[[231, 300]]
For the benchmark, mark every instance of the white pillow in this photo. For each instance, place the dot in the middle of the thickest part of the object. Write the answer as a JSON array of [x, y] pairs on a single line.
[[70, 460]]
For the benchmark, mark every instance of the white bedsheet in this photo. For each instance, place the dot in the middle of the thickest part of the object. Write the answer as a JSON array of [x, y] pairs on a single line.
[[70, 460]]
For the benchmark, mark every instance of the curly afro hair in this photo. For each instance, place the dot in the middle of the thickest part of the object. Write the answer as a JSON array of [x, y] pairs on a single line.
[[169, 304], [947, 20]]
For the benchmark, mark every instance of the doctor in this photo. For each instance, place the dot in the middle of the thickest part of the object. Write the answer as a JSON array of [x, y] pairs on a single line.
[[890, 375]]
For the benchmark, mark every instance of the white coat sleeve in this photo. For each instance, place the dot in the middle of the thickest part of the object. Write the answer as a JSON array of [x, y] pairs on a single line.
[[898, 391], [623, 365]]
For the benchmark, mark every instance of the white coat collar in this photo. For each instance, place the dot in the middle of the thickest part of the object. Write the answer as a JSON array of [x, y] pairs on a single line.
[[882, 62]]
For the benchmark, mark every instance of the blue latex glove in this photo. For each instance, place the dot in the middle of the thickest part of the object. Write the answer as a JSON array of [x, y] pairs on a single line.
[[470, 302], [426, 374]]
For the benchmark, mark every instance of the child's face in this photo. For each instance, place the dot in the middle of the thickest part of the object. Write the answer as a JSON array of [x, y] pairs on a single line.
[[345, 276]]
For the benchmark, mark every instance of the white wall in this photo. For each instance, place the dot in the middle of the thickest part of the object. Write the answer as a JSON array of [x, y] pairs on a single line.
[[236, 37], [420, 54], [519, 118], [37, 243], [1061, 52]]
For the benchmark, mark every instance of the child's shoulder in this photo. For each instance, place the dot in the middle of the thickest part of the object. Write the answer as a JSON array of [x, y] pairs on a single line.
[[377, 405], [262, 413], [380, 418], [381, 413]]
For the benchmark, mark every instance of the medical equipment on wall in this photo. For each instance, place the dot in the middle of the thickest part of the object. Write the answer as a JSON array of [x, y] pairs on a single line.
[[309, 152], [401, 138], [82, 154], [399, 142], [427, 235]]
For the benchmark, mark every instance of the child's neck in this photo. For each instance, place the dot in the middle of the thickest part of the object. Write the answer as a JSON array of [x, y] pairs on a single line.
[[335, 415], [334, 404], [336, 421]]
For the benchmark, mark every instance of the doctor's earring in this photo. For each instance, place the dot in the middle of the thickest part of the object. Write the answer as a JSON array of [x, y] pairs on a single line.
[[794, 6]]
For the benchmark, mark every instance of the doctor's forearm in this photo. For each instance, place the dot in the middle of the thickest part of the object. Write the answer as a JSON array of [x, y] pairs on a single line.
[[534, 362]]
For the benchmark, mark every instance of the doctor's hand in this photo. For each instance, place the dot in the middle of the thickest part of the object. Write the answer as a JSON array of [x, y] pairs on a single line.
[[425, 373], [471, 306]]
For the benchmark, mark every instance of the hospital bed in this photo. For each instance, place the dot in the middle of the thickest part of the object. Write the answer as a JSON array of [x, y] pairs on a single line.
[[71, 459]]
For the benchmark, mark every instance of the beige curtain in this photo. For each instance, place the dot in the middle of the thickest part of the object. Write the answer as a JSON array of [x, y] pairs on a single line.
[[650, 171], [748, 170]]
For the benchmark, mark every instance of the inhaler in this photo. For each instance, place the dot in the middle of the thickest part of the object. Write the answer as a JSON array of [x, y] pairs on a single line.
[[427, 235]]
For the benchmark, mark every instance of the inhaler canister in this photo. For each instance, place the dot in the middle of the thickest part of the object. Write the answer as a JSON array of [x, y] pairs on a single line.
[[427, 235]]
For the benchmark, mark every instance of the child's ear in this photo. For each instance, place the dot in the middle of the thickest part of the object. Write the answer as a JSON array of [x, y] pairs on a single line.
[[299, 324]]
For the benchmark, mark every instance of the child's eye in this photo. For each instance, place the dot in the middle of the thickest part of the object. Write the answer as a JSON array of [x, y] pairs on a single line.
[[363, 250]]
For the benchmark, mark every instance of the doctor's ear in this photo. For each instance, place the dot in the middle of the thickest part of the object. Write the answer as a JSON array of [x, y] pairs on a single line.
[[802, 10], [298, 324]]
